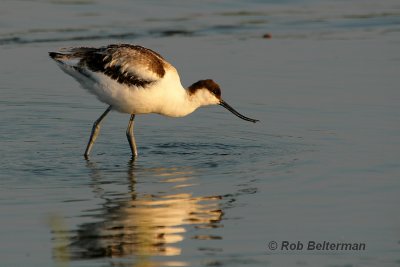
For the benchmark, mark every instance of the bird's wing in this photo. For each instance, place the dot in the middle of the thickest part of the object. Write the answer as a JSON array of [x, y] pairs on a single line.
[[127, 64]]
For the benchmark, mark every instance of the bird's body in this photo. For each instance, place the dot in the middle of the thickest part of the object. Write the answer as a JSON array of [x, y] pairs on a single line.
[[135, 80]]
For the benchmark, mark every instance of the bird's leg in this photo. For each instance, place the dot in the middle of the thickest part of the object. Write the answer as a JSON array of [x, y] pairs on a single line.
[[130, 136], [95, 132]]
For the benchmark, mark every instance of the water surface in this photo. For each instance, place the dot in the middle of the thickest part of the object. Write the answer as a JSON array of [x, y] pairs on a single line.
[[207, 189]]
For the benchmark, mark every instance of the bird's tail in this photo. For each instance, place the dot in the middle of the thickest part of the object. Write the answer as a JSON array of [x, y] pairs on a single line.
[[75, 52], [59, 56]]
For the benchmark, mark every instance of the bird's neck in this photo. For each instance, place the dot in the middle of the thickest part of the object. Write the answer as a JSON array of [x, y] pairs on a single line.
[[180, 104]]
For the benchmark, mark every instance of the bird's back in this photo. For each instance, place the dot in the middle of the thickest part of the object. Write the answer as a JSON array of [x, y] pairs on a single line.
[[118, 73], [127, 64]]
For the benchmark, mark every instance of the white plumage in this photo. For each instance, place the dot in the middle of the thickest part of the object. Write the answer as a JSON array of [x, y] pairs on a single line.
[[135, 80]]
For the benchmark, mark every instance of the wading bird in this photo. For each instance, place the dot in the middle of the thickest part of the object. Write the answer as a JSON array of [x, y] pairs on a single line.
[[135, 80]]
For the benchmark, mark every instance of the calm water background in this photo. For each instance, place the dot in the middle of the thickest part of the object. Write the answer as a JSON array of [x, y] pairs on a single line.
[[208, 189]]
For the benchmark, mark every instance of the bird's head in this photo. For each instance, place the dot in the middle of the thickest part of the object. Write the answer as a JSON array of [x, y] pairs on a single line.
[[208, 92]]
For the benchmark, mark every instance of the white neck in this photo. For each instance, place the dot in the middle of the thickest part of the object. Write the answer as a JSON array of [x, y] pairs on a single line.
[[179, 104]]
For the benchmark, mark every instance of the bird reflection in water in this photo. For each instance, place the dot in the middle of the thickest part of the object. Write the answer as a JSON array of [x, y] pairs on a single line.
[[135, 224]]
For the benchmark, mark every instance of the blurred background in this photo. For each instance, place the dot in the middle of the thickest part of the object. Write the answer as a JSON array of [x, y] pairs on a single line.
[[208, 189]]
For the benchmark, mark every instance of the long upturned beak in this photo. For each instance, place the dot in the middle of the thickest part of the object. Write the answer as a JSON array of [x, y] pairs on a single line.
[[231, 109]]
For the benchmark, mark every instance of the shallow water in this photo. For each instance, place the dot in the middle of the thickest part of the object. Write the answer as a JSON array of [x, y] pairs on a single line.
[[207, 189]]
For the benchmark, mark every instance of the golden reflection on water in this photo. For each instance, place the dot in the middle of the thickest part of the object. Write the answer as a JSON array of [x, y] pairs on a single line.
[[142, 224]]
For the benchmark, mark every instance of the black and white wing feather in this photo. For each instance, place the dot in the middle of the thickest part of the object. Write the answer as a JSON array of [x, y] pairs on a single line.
[[127, 64]]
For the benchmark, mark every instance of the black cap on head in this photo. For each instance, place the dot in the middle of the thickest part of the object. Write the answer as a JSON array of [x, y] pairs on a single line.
[[208, 84]]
